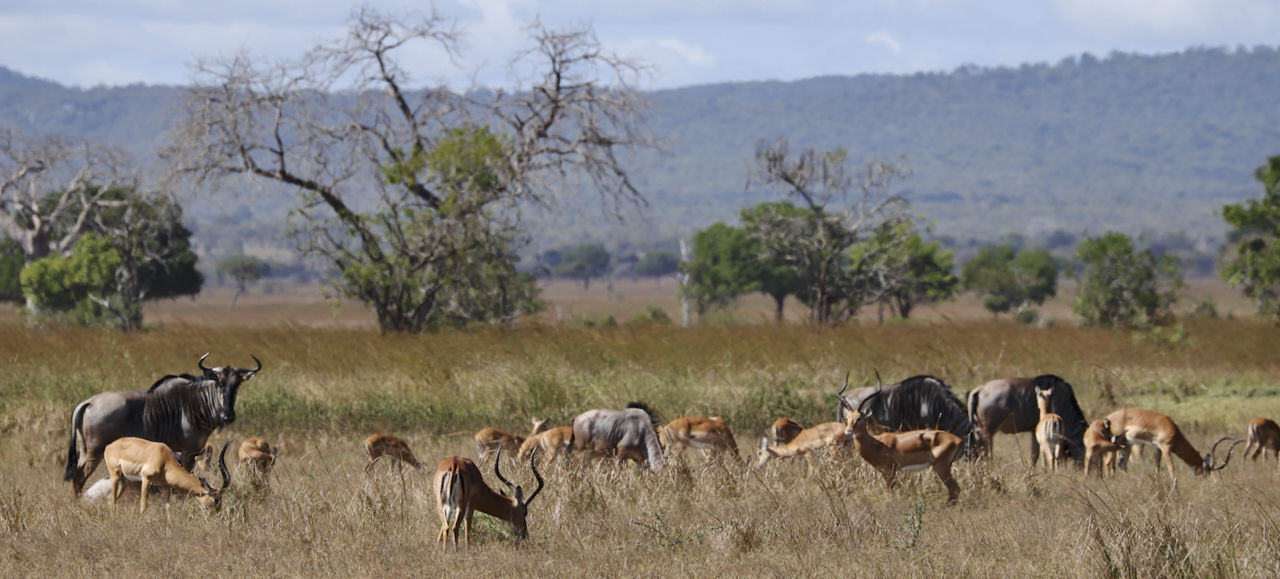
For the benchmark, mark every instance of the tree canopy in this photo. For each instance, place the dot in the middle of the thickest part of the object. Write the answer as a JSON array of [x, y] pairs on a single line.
[[1252, 261], [1121, 286], [1011, 279]]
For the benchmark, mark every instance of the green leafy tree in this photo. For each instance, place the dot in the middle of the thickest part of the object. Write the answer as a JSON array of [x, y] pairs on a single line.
[[658, 263], [11, 262], [1252, 260], [584, 262], [722, 268], [1011, 279], [60, 286], [908, 272], [243, 270], [774, 277], [1120, 286]]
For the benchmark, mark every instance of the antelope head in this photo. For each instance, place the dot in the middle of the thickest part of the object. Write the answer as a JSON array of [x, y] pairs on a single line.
[[519, 505]]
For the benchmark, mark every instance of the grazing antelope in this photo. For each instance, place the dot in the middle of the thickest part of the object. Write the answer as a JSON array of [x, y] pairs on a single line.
[[394, 448], [1134, 425], [155, 464], [1099, 448], [489, 440], [461, 491], [785, 430], [257, 457], [1264, 434], [1049, 431], [828, 436], [711, 435], [894, 452], [556, 442]]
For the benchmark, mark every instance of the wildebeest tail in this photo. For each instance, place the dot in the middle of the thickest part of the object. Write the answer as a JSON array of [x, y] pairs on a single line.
[[975, 435], [73, 455]]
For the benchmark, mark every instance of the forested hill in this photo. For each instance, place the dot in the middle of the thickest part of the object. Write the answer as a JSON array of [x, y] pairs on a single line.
[[1126, 142]]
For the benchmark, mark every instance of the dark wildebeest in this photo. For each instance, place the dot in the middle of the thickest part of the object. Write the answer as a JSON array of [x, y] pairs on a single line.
[[1009, 405], [628, 433], [917, 403], [179, 411]]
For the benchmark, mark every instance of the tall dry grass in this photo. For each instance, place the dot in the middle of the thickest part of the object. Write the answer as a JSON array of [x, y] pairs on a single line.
[[322, 390]]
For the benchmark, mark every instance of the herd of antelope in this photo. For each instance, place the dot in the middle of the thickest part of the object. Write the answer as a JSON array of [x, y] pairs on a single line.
[[145, 449]]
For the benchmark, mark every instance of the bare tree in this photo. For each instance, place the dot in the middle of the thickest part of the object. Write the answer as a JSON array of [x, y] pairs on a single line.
[[839, 208], [50, 189], [413, 194]]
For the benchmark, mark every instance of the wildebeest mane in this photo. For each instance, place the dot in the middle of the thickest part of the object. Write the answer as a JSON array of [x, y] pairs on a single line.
[[192, 379], [1063, 403], [653, 416]]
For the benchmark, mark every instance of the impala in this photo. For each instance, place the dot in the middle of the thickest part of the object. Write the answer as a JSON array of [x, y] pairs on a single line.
[[828, 436], [257, 457], [395, 449], [711, 435], [557, 442], [894, 452], [155, 464], [489, 440], [461, 491], [1099, 448], [1049, 431], [1134, 425], [785, 430], [1264, 434]]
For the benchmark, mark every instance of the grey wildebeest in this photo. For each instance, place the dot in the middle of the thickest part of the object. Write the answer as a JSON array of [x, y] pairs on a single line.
[[178, 411], [627, 433], [917, 403], [1009, 405]]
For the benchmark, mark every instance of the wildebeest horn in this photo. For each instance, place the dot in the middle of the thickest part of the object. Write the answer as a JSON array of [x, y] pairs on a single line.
[[499, 473], [878, 383], [222, 465], [255, 359], [201, 362], [534, 467]]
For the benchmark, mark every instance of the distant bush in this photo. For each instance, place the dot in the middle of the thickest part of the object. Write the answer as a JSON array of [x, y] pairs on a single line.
[[590, 321], [650, 315]]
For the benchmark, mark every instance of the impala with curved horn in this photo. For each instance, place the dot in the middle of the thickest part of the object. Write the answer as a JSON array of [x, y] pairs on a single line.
[[155, 465], [179, 411], [894, 452], [917, 403], [461, 491], [1135, 425]]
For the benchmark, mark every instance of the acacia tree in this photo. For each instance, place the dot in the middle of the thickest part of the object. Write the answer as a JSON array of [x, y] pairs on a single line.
[[1011, 279], [1121, 286], [1252, 262], [816, 241], [413, 194], [908, 272]]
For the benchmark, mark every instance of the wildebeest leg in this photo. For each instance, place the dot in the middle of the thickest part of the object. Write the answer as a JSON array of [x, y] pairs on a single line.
[[91, 461]]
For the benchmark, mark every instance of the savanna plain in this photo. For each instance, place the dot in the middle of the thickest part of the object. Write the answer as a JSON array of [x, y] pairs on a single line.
[[325, 386]]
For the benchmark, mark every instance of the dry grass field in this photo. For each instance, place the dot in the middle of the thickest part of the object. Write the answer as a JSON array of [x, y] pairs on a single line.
[[329, 382]]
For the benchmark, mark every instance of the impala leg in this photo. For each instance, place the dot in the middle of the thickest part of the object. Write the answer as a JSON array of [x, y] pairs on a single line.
[[1035, 450], [146, 490], [944, 475]]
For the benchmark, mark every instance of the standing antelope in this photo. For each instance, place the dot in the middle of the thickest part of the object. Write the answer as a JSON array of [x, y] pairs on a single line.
[[828, 436], [556, 442], [711, 435], [461, 491], [785, 430], [1134, 425], [395, 449], [257, 457], [1265, 435], [1049, 431], [892, 452], [489, 440], [1099, 448], [155, 464]]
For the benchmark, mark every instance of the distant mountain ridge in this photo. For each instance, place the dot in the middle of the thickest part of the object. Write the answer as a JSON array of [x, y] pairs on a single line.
[[1127, 142]]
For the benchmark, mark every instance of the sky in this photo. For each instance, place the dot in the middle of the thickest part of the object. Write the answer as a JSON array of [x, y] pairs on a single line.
[[116, 42]]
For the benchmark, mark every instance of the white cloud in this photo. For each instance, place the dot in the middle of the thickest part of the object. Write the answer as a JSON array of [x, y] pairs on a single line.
[[1168, 17], [884, 39], [693, 54]]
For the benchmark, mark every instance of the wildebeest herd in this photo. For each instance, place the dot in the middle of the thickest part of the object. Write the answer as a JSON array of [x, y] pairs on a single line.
[[154, 438]]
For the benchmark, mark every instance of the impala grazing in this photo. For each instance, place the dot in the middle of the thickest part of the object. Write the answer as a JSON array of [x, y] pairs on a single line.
[[894, 452], [461, 491], [556, 442], [828, 437], [710, 435], [785, 430], [257, 457], [1099, 448], [1134, 425], [1265, 435], [180, 411], [155, 464], [393, 448], [489, 440], [1049, 431]]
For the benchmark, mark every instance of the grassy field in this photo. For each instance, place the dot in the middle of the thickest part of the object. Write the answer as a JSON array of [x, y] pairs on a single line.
[[324, 387]]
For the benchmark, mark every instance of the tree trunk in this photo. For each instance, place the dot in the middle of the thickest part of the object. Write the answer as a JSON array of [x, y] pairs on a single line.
[[235, 296], [779, 300]]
